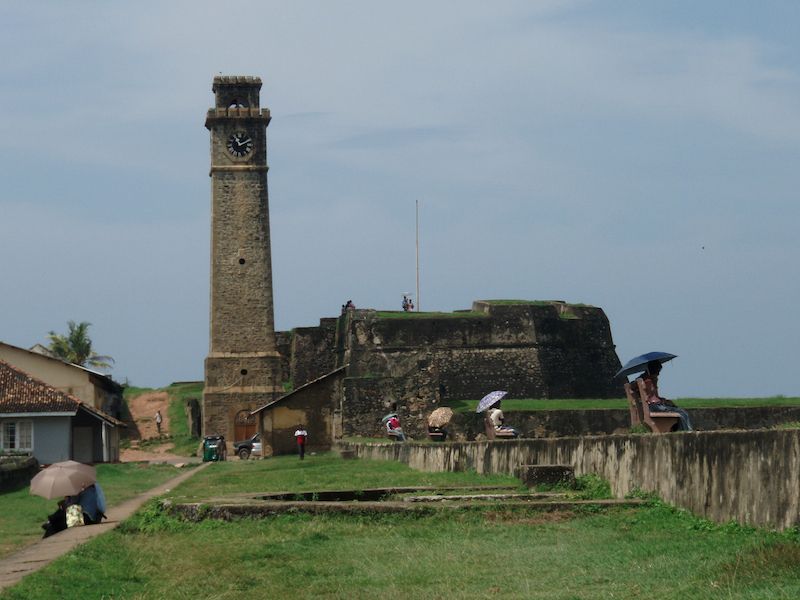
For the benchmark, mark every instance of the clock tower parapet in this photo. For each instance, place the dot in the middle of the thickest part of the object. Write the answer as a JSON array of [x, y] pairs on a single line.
[[238, 91], [216, 115]]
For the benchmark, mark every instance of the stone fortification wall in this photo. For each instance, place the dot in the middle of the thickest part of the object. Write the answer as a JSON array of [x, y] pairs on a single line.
[[312, 352], [283, 343], [416, 360], [530, 349], [533, 350], [752, 477]]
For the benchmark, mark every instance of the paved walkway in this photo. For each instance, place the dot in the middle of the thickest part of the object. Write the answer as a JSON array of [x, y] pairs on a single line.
[[34, 557]]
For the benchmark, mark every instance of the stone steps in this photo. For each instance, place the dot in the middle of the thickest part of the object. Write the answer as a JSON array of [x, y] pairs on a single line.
[[222, 510]]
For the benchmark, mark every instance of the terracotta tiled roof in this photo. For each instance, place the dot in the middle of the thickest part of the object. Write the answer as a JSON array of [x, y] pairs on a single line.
[[21, 393]]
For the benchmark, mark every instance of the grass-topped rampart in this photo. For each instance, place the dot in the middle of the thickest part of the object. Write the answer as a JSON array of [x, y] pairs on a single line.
[[399, 314], [539, 404]]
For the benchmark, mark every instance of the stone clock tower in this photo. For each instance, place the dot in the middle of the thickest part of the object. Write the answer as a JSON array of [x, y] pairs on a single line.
[[243, 365]]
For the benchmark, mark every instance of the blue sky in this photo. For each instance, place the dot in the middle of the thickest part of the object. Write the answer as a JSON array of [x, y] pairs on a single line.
[[640, 157]]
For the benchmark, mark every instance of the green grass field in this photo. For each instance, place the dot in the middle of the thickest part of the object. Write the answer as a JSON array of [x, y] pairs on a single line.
[[21, 514], [649, 552]]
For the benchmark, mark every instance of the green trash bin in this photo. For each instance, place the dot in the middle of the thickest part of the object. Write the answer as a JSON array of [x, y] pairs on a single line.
[[213, 448]]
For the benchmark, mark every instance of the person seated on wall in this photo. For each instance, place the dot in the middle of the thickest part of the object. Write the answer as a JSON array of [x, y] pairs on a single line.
[[437, 433], [394, 430], [658, 404], [498, 421]]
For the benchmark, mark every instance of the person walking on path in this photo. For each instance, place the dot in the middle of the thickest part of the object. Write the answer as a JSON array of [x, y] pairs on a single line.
[[300, 435], [158, 421]]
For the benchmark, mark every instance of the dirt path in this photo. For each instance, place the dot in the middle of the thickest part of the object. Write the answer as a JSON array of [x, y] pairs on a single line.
[[143, 409], [39, 554], [152, 454]]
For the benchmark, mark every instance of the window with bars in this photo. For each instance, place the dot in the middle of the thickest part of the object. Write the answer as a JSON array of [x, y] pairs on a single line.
[[16, 436]]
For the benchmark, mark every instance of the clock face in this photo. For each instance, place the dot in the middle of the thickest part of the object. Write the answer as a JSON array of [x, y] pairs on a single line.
[[240, 144]]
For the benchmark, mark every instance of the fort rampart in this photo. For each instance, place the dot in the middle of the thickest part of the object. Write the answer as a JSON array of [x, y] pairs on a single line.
[[752, 477], [414, 361]]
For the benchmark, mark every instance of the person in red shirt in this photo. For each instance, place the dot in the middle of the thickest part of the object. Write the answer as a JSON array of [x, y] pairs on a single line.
[[300, 435], [394, 430]]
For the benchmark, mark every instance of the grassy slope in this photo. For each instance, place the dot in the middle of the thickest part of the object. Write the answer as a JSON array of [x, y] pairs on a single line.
[[185, 444], [493, 553], [22, 513]]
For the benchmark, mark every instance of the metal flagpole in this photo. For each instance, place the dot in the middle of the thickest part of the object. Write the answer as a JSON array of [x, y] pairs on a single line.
[[417, 217]]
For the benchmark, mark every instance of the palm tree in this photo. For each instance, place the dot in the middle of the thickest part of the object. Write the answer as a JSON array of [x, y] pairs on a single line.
[[76, 347]]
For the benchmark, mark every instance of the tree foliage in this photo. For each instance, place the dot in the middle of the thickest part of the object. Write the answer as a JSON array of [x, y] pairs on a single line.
[[76, 347]]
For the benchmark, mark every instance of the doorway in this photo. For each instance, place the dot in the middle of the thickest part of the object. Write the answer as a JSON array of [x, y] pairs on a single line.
[[244, 426]]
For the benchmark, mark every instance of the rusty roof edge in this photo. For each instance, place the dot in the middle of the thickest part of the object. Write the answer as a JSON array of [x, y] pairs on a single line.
[[305, 385]]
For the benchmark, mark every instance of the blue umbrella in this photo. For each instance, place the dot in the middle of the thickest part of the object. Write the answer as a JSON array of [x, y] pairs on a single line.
[[490, 400], [639, 364]]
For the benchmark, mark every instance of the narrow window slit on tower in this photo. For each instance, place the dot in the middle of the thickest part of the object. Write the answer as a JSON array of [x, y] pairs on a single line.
[[241, 261], [243, 371]]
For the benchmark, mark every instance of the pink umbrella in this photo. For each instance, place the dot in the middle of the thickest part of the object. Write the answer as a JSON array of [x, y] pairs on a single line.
[[61, 479]]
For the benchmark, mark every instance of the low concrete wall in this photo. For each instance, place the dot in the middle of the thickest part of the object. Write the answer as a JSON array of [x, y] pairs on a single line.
[[565, 423], [17, 471], [752, 477]]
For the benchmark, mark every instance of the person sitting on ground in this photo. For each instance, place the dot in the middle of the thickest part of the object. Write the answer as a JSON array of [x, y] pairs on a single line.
[[498, 421], [57, 521], [93, 501], [658, 404]]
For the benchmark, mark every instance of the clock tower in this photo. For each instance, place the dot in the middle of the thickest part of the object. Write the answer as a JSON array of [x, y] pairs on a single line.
[[242, 369]]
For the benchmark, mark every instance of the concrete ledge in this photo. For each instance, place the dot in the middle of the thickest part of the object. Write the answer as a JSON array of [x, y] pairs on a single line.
[[533, 475], [566, 423], [752, 477], [17, 471], [231, 511]]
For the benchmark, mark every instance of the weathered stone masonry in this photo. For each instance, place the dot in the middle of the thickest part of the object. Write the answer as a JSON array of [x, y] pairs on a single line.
[[752, 477], [531, 349], [413, 361], [243, 367]]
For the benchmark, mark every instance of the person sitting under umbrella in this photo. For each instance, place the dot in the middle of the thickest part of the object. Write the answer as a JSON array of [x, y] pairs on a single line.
[[93, 502], [394, 430], [57, 521], [658, 404], [498, 420]]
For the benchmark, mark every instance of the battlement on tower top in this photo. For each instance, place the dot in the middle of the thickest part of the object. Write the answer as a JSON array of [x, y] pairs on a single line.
[[235, 80]]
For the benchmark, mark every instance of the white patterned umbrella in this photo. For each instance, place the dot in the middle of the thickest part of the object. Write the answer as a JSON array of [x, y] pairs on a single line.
[[490, 400], [61, 479]]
